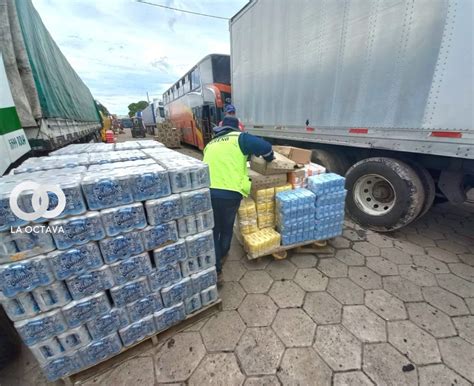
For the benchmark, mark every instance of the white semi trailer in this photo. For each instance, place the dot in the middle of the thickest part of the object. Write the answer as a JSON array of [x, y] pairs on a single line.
[[382, 91]]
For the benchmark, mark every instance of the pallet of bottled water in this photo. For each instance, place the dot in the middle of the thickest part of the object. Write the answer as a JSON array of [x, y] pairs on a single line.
[[330, 198], [295, 211], [131, 254]]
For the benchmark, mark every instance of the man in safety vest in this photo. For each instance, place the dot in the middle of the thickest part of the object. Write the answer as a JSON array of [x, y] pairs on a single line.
[[227, 156], [230, 112]]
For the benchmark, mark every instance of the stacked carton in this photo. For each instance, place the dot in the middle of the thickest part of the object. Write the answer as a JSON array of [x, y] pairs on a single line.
[[280, 199], [168, 135], [131, 255]]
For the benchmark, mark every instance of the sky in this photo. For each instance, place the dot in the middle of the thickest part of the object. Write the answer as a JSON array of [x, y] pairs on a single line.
[[123, 49]]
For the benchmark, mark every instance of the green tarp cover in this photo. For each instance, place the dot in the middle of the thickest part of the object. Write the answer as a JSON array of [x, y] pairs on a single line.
[[61, 92]]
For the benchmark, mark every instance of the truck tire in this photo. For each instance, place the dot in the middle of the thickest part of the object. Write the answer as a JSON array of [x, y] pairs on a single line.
[[332, 161], [384, 194], [428, 185], [10, 343]]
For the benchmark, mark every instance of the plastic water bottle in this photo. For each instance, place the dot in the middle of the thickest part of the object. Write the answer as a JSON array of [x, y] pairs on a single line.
[[108, 323], [42, 327], [200, 243], [106, 190], [7, 218], [204, 279], [189, 266], [33, 244], [100, 350], [164, 209], [196, 201], [75, 261], [24, 276], [207, 260], [123, 219], [149, 182], [180, 178], [154, 236], [187, 226], [192, 304], [170, 254], [137, 331], [130, 292], [145, 306], [90, 283], [52, 296], [199, 174], [74, 338], [205, 221], [121, 246], [130, 269], [164, 276], [177, 292], [77, 313], [78, 230], [168, 317], [20, 307], [62, 366], [47, 350], [209, 295]]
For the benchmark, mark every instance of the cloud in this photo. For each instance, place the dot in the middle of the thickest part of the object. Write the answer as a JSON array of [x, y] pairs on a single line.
[[123, 49]]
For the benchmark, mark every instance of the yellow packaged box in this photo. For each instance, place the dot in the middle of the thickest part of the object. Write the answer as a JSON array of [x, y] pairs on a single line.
[[283, 188], [247, 216], [262, 242]]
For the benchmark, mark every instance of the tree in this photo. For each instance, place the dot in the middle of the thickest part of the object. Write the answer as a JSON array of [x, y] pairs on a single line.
[[133, 108], [102, 108]]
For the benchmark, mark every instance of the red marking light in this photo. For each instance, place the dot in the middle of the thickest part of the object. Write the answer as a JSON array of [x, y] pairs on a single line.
[[309, 128], [446, 134], [358, 130]]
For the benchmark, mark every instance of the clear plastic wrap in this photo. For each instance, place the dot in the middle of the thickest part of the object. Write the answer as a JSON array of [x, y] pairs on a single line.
[[78, 230], [130, 269], [52, 296], [74, 261], [196, 201], [209, 295], [100, 350], [41, 327], [170, 254], [77, 313], [108, 323], [177, 292], [47, 350], [130, 292], [123, 219], [155, 236], [106, 189], [164, 209], [90, 283], [168, 317], [74, 338], [137, 331], [145, 306], [192, 304], [164, 276], [200, 243], [121, 246], [20, 307]]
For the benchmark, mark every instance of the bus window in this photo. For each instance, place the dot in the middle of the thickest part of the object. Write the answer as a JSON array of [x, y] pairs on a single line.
[[221, 69], [162, 112], [195, 79], [186, 85]]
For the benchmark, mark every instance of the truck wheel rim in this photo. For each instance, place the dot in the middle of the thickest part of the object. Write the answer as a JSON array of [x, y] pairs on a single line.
[[374, 195]]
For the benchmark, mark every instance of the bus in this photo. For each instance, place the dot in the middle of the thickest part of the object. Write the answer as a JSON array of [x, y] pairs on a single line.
[[195, 103]]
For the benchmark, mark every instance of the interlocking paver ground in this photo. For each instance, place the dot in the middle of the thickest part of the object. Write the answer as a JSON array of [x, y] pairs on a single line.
[[352, 310]]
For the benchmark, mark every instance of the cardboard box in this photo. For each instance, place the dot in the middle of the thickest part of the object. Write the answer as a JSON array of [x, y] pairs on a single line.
[[279, 165], [296, 154], [297, 178], [259, 181]]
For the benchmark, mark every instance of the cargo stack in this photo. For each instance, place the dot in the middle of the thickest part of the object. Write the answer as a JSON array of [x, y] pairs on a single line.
[[168, 135], [330, 198], [289, 209], [131, 255]]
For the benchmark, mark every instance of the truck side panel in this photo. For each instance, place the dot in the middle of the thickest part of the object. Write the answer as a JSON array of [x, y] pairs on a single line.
[[316, 71]]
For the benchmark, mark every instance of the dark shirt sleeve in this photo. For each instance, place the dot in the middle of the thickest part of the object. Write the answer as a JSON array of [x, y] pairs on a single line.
[[251, 145]]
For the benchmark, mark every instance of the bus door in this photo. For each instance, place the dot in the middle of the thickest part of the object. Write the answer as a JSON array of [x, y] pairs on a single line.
[[206, 126]]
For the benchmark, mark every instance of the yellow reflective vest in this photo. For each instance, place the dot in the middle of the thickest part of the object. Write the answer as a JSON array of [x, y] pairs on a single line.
[[227, 164]]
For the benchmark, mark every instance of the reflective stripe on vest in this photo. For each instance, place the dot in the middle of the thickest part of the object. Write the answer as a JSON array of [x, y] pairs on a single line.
[[227, 164]]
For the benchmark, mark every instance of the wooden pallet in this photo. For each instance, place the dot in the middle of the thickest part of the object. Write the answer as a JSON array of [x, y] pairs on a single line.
[[132, 351]]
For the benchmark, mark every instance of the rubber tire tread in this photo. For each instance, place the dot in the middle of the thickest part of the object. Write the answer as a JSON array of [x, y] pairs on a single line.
[[408, 188], [428, 185]]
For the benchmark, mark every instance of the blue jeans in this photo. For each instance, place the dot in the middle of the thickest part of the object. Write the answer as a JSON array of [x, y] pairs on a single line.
[[225, 210]]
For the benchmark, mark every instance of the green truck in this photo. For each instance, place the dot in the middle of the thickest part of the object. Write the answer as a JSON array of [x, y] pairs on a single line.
[[53, 104]]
